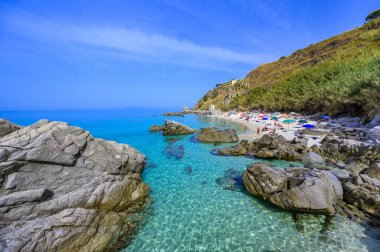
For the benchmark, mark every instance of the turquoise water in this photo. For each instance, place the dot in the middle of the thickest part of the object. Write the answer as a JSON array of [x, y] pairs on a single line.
[[191, 211]]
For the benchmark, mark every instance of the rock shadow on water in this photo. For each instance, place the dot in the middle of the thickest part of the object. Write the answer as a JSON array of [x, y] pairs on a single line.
[[231, 180], [172, 140], [150, 165], [174, 151]]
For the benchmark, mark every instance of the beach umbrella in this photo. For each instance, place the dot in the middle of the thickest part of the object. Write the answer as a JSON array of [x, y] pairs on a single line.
[[265, 118], [274, 118], [288, 121], [308, 126], [325, 117], [303, 121]]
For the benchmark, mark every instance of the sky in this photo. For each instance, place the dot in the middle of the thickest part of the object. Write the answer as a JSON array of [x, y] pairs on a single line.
[[114, 54]]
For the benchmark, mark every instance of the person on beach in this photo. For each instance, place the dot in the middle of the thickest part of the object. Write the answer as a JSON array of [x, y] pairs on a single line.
[[258, 131]]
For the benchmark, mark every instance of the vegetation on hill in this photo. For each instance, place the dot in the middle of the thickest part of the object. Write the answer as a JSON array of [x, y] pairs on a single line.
[[337, 76]]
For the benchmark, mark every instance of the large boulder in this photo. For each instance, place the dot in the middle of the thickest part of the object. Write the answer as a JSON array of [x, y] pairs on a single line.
[[172, 128], [312, 158], [363, 192], [298, 189], [63, 190], [216, 135], [278, 147], [6, 127]]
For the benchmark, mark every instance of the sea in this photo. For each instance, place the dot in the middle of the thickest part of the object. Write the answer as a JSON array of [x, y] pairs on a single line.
[[198, 201]]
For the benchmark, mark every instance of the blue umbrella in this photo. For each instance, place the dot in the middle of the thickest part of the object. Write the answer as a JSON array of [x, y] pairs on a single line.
[[308, 126], [265, 118]]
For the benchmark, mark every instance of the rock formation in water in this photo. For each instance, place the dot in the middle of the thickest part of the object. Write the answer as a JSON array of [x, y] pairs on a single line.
[[172, 128], [155, 128], [216, 135], [63, 190], [268, 147], [298, 189]]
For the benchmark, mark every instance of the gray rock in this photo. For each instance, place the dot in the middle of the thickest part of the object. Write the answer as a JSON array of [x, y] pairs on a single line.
[[216, 135], [375, 121], [341, 174], [172, 128], [6, 127], [63, 190], [297, 189], [312, 158], [374, 135], [364, 193], [353, 122]]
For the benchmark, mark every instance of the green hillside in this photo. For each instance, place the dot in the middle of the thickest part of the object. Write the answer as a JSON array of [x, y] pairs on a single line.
[[336, 76]]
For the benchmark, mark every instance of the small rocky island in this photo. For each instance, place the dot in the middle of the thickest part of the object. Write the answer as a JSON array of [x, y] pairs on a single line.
[[64, 190]]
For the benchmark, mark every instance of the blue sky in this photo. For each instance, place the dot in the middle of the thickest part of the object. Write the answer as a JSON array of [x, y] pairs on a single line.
[[75, 54]]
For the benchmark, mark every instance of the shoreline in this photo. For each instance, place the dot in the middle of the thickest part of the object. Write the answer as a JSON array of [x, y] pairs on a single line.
[[287, 131]]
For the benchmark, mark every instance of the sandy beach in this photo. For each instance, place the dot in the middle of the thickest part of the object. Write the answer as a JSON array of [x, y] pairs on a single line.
[[287, 130]]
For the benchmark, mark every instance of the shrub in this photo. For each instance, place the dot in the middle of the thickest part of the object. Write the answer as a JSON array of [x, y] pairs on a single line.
[[373, 15]]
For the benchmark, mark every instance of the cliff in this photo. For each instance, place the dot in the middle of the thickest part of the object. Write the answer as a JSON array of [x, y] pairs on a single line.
[[336, 76]]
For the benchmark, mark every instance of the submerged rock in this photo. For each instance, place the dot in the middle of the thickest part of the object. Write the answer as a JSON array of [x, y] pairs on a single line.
[[174, 151], [172, 128], [173, 140], [216, 135], [231, 180], [63, 190], [188, 170], [298, 189]]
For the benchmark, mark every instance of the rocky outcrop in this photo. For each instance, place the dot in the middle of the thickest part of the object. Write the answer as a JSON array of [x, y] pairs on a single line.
[[63, 190], [172, 128], [216, 135], [298, 189], [363, 192], [241, 149], [6, 127], [269, 147], [352, 122], [155, 128], [174, 114]]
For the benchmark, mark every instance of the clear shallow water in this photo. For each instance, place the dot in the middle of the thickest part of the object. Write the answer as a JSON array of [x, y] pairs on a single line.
[[190, 210]]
